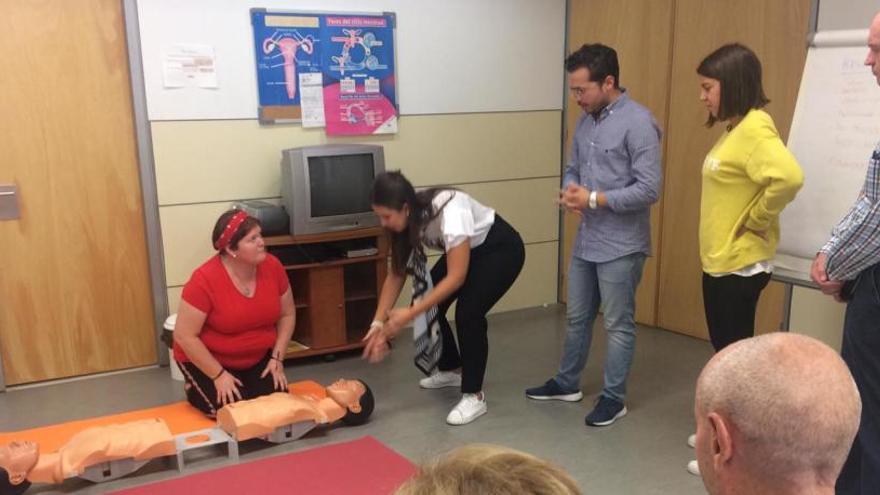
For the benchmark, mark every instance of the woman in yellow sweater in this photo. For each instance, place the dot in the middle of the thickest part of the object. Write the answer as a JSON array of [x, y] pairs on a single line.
[[748, 178]]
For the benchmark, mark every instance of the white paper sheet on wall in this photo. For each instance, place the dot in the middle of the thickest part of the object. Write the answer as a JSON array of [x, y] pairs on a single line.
[[189, 64], [311, 99]]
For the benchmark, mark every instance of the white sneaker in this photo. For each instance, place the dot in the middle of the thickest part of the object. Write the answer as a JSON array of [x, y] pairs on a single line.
[[441, 379], [694, 468], [692, 440], [469, 408]]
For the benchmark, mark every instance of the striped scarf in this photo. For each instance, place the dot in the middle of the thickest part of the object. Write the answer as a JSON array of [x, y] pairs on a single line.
[[426, 330]]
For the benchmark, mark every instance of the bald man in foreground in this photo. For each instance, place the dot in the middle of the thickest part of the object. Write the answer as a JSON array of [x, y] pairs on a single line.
[[775, 414]]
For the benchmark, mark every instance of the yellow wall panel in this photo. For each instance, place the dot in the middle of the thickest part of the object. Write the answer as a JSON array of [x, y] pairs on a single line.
[[205, 161], [817, 315], [186, 229], [535, 286], [186, 238], [528, 205], [174, 298]]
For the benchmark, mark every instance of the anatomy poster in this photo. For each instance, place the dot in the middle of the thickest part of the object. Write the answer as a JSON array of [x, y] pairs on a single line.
[[330, 69]]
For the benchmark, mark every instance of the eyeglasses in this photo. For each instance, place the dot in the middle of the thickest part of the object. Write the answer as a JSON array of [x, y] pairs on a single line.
[[577, 92]]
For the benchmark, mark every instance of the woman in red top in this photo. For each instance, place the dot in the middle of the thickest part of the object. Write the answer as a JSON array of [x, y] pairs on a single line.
[[235, 319]]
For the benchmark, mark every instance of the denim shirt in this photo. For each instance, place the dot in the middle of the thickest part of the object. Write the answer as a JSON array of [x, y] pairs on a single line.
[[618, 154]]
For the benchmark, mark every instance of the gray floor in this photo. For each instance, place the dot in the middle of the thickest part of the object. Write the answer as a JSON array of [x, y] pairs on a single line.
[[644, 453]]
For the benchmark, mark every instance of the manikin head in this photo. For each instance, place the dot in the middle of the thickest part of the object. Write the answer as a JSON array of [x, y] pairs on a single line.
[[18, 458], [347, 393], [775, 414]]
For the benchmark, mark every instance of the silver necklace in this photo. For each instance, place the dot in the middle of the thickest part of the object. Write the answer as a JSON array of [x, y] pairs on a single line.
[[244, 289]]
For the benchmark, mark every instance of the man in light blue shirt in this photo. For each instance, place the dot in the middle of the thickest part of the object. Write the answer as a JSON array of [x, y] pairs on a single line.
[[612, 179]]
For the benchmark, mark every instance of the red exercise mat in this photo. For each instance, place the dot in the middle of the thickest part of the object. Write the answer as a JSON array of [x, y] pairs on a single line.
[[364, 466]]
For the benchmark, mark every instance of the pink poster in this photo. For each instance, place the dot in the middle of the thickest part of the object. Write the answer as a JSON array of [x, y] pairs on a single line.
[[357, 112]]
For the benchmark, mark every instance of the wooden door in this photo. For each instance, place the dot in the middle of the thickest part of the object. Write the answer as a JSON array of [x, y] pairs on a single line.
[[641, 33], [73, 269], [777, 32]]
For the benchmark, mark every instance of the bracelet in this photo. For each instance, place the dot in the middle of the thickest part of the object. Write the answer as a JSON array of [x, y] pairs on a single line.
[[277, 359], [377, 324], [594, 197], [222, 370]]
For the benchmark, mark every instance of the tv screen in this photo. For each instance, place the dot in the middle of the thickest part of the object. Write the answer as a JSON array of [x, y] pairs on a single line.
[[340, 185]]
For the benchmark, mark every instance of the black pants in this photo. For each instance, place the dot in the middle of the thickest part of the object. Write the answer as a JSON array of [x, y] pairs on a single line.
[[200, 391], [494, 266], [860, 350], [730, 303]]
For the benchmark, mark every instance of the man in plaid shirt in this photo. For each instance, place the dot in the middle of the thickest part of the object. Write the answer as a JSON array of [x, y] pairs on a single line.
[[848, 268]]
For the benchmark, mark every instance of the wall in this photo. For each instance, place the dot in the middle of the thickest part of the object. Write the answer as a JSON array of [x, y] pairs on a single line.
[[660, 45], [846, 14], [812, 313], [495, 134]]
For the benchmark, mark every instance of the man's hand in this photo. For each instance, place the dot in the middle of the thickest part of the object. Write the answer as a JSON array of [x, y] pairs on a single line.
[[817, 273], [574, 197]]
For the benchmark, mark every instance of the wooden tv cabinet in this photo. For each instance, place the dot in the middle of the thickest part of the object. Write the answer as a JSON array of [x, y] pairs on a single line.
[[335, 287]]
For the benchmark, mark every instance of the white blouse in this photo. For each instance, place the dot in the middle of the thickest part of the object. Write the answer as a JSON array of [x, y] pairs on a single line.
[[463, 218]]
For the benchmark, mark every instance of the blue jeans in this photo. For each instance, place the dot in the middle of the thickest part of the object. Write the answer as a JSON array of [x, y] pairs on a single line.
[[861, 351], [613, 285]]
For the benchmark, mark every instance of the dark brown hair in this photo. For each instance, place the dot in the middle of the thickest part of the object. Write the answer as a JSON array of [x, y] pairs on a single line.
[[245, 227], [738, 70], [393, 190], [598, 59]]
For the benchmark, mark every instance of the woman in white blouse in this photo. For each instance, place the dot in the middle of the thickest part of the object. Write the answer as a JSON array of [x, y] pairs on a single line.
[[482, 257]]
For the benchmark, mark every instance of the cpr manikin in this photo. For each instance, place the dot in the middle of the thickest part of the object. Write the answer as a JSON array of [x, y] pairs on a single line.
[[347, 400], [278, 417], [140, 440], [137, 440]]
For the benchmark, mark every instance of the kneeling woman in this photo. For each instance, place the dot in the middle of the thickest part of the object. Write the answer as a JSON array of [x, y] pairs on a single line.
[[235, 319], [482, 257]]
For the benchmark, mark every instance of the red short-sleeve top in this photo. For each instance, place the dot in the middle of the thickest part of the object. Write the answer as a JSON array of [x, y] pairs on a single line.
[[238, 330]]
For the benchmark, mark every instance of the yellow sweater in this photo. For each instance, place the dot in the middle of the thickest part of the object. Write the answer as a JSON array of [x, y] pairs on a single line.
[[748, 178]]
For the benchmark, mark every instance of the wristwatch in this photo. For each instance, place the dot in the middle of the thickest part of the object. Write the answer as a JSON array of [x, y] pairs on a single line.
[[594, 203]]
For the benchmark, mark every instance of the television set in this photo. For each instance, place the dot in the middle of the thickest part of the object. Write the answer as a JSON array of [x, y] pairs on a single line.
[[327, 188]]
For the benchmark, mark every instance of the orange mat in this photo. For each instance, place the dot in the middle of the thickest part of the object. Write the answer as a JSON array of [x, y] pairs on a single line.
[[181, 417]]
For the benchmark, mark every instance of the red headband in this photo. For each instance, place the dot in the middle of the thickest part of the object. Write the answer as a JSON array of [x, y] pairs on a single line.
[[230, 230]]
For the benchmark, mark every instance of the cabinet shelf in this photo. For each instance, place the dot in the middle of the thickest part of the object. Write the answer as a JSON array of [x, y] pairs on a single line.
[[336, 262], [294, 352], [335, 297]]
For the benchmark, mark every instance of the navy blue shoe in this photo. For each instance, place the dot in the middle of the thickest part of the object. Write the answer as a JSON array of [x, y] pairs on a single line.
[[552, 391], [607, 411]]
